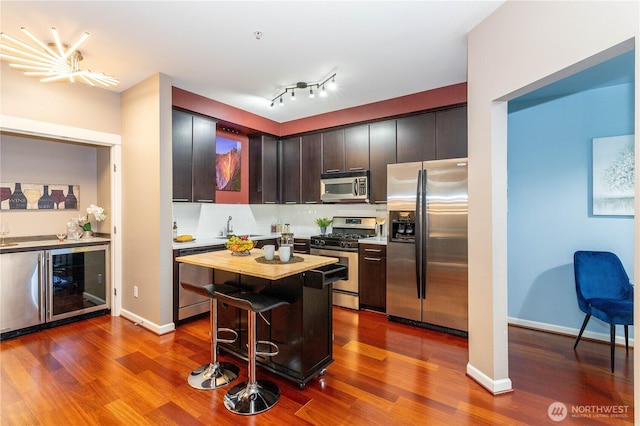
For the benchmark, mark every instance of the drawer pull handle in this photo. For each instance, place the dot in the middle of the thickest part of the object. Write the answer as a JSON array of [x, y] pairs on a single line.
[[373, 250], [376, 259]]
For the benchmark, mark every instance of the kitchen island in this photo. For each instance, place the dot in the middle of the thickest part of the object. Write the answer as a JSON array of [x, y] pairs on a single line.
[[302, 329]]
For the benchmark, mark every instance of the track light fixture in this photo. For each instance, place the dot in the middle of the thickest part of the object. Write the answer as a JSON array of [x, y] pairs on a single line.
[[52, 61], [330, 82]]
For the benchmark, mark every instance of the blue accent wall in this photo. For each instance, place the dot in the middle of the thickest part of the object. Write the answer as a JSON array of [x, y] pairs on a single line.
[[549, 200]]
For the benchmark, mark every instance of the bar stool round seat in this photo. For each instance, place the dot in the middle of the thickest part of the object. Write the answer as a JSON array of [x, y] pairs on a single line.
[[252, 396], [214, 374]]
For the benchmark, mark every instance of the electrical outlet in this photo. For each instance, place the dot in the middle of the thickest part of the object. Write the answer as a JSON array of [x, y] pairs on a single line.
[[135, 291]]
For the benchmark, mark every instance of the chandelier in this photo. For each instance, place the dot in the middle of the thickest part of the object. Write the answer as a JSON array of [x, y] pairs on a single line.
[[320, 86], [50, 62]]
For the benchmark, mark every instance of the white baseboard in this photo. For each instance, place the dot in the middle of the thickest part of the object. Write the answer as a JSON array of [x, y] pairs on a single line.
[[496, 387], [138, 320], [604, 337]]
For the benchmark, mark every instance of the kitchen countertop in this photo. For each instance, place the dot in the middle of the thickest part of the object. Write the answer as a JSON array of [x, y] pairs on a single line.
[[247, 265], [50, 244], [220, 241], [373, 240]]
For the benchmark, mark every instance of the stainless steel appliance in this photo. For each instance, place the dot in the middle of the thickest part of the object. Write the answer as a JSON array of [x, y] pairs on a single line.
[[427, 244], [42, 287], [343, 245], [78, 281], [340, 187], [189, 302], [22, 290]]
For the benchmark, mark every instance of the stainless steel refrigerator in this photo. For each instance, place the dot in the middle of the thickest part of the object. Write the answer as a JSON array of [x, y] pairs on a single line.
[[427, 244]]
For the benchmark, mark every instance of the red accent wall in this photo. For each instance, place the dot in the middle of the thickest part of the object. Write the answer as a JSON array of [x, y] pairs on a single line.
[[235, 197], [440, 97]]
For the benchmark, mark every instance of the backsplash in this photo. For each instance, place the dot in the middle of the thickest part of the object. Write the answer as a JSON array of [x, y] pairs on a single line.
[[209, 220]]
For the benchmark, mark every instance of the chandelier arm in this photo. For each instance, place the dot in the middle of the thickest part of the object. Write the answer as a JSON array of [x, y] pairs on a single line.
[[54, 78], [75, 46], [23, 45], [39, 43], [56, 38], [15, 50], [50, 67], [87, 80]]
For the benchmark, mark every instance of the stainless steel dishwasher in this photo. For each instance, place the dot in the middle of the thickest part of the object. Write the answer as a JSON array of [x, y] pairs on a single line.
[[190, 303]]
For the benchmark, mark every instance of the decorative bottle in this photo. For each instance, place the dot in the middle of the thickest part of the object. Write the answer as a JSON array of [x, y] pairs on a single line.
[[45, 202], [70, 202], [175, 230], [18, 200]]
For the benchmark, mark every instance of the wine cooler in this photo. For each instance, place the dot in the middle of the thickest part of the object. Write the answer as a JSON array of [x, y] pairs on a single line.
[[78, 281]]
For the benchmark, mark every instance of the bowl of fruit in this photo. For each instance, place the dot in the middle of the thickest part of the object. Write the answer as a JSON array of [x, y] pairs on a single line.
[[239, 246]]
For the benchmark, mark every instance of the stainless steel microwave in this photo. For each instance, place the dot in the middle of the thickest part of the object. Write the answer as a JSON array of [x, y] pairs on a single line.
[[345, 187]]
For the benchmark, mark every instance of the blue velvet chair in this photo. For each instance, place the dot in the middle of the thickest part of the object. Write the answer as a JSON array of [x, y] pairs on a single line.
[[604, 291]]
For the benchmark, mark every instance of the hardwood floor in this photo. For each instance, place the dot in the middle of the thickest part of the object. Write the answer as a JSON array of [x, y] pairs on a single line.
[[108, 371]]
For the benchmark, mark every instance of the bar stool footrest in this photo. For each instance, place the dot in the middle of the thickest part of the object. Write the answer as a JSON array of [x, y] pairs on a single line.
[[227, 330], [268, 343]]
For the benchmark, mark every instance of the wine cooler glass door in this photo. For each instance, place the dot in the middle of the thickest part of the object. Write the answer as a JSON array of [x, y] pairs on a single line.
[[78, 281]]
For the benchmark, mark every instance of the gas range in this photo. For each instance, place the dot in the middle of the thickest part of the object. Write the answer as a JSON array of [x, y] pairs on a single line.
[[346, 233]]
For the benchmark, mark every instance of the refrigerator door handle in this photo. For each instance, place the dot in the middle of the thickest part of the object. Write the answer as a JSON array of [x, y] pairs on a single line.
[[424, 233], [418, 235]]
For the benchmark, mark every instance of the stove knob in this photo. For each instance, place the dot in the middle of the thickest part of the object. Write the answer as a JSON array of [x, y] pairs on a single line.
[[316, 242]]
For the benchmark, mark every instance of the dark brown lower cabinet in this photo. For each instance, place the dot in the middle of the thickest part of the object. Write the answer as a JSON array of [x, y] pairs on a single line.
[[302, 329], [372, 276]]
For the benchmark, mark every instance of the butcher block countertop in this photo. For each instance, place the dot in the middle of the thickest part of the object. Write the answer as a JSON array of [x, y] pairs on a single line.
[[247, 265]]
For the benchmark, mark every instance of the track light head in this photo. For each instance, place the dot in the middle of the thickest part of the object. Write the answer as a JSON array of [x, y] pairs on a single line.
[[320, 86]]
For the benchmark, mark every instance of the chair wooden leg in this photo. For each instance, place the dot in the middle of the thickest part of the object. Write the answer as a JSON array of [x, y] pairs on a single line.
[[613, 344], [584, 325], [626, 337]]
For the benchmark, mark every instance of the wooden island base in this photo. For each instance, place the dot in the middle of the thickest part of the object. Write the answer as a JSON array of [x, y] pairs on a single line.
[[302, 330]]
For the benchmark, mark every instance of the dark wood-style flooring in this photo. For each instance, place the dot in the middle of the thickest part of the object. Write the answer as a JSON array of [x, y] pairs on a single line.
[[108, 371]]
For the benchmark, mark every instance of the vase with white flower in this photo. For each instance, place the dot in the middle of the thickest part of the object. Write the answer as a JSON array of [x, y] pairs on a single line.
[[81, 225]]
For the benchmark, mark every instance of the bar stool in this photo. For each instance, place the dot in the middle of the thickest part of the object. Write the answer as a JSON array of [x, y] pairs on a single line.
[[215, 374], [252, 396]]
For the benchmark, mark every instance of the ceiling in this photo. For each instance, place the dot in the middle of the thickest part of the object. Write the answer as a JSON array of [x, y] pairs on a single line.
[[379, 49]]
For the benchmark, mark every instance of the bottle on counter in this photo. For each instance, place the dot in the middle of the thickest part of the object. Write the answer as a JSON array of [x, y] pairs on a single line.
[[175, 229]]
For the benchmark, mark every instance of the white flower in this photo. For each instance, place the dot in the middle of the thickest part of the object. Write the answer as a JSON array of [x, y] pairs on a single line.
[[97, 212], [83, 221]]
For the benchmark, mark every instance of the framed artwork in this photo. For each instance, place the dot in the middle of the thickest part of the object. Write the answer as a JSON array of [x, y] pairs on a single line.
[[38, 196], [228, 164], [613, 176]]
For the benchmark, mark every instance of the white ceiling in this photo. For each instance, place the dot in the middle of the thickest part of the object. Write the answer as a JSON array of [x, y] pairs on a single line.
[[379, 49]]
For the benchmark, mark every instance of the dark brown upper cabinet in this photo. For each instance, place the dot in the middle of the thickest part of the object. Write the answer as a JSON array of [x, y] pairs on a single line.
[[263, 169], [311, 165], [193, 157], [356, 148], [416, 138], [333, 151], [432, 135], [451, 133], [382, 151], [290, 170]]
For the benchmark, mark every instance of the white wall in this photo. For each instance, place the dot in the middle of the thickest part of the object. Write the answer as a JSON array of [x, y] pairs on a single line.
[[32, 160], [72, 104], [520, 47], [205, 221], [146, 204]]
